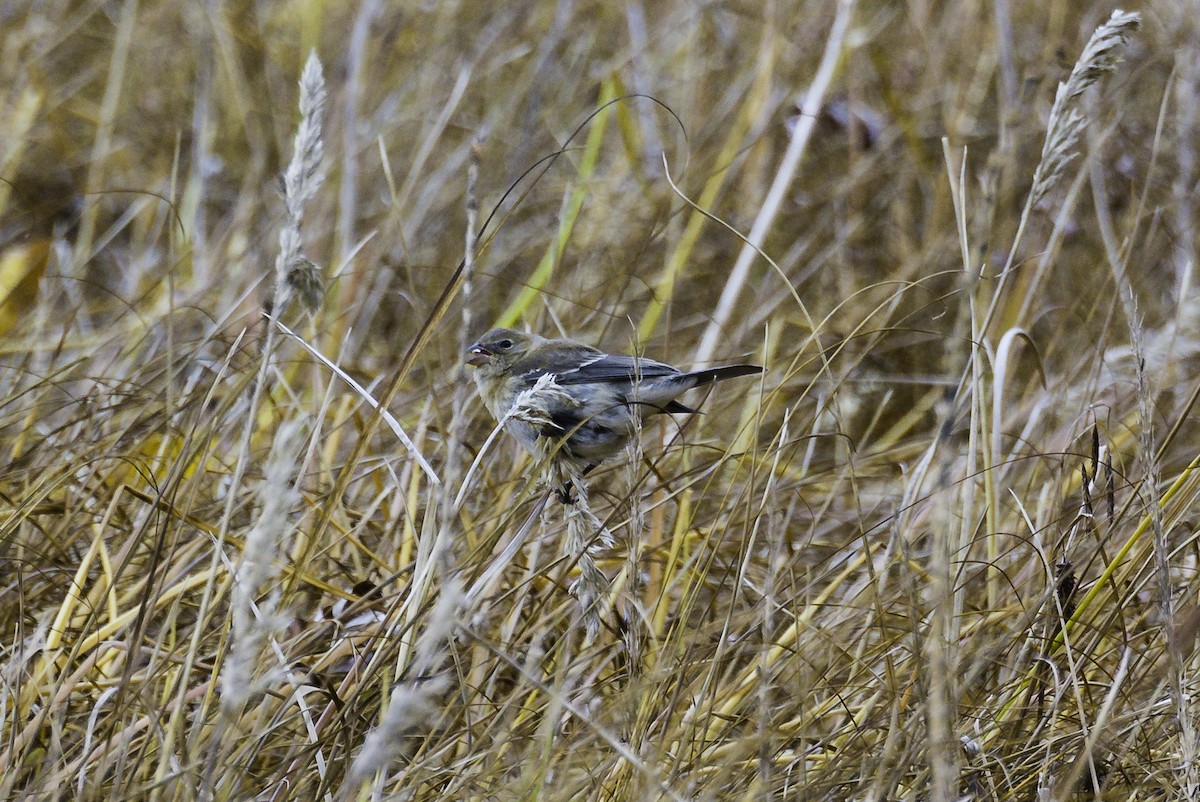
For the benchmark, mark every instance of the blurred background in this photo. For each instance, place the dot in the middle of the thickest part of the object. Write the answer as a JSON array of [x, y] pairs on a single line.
[[150, 137]]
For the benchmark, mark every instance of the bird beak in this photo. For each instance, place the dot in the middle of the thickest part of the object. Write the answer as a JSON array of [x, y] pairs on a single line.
[[478, 355]]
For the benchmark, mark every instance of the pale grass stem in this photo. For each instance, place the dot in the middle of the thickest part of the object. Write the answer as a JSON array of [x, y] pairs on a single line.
[[810, 107]]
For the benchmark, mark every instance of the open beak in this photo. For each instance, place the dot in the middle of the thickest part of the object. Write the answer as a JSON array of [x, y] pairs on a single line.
[[478, 355]]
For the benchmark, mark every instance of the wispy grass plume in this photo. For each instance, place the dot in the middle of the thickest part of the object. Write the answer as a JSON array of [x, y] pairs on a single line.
[[586, 532], [295, 275], [413, 699], [1067, 118], [259, 567]]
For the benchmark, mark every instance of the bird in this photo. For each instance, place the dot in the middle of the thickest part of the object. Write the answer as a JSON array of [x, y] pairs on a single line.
[[590, 402]]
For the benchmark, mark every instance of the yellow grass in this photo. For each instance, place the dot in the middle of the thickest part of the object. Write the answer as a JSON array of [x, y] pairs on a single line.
[[944, 548]]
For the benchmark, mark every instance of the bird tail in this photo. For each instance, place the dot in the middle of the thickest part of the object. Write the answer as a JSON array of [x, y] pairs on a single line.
[[721, 374], [699, 377]]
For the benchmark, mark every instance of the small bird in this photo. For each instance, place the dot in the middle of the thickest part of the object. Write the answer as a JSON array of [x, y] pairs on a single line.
[[588, 413]]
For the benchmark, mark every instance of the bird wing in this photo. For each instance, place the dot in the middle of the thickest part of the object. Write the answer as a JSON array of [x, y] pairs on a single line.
[[614, 369], [613, 377]]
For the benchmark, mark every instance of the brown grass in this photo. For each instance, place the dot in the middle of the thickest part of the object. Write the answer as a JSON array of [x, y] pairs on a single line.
[[946, 547]]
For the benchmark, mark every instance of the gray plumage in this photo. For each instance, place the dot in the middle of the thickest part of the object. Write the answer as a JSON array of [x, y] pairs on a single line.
[[590, 416]]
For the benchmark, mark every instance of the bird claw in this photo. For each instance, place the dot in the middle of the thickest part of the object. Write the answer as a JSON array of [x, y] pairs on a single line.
[[564, 494]]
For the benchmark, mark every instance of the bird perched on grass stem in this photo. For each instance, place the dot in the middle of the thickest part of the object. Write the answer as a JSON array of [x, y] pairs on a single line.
[[574, 402]]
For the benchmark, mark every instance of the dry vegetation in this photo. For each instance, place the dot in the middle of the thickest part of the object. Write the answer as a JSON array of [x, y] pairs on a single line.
[[945, 548]]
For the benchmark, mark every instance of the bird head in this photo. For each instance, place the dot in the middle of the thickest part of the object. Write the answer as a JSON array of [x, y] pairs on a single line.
[[499, 349]]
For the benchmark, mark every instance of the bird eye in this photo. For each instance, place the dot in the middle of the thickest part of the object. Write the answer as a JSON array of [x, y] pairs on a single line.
[[505, 344]]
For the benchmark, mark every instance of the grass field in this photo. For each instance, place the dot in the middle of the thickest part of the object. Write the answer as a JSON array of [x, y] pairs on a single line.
[[257, 540]]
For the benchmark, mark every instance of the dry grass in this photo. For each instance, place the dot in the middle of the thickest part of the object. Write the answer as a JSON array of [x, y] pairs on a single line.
[[945, 548]]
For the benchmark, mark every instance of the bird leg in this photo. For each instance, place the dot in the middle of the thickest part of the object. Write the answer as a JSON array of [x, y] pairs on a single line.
[[565, 491]]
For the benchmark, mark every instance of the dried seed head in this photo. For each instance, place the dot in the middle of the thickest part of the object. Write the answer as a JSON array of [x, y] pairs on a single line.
[[1067, 120]]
